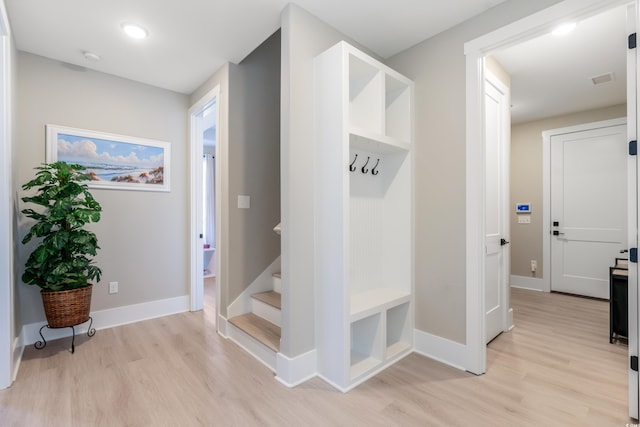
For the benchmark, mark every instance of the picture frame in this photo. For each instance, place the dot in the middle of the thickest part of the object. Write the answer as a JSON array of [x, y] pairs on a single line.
[[116, 162]]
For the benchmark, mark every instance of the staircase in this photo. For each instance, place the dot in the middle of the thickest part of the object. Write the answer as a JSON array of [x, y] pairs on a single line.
[[258, 331]]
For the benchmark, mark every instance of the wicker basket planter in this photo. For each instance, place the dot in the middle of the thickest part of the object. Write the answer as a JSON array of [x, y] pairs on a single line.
[[67, 308]]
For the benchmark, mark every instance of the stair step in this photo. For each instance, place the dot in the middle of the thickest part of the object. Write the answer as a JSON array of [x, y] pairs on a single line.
[[260, 329], [278, 275], [272, 298]]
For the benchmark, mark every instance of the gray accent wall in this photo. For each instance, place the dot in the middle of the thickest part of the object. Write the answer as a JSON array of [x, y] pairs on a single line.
[[254, 164], [437, 67], [143, 235], [249, 131]]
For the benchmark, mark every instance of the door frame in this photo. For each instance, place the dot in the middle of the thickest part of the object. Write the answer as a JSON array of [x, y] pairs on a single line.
[[8, 342], [196, 175], [546, 187], [475, 51]]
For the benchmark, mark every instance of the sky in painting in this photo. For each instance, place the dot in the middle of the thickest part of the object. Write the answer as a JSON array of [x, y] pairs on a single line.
[[83, 150]]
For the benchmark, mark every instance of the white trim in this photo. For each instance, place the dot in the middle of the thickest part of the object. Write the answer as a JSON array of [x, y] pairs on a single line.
[[7, 361], [632, 210], [196, 292], [18, 351], [475, 50], [546, 187], [531, 283], [476, 357], [222, 326], [294, 371], [441, 349], [110, 318]]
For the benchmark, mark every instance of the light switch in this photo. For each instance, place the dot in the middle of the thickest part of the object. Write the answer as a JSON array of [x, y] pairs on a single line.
[[524, 219], [244, 202]]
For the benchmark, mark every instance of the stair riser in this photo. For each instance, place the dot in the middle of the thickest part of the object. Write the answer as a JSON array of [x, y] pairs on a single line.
[[267, 312], [258, 350], [277, 284]]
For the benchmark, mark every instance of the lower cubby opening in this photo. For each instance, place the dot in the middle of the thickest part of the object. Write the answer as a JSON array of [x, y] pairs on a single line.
[[366, 345], [398, 330]]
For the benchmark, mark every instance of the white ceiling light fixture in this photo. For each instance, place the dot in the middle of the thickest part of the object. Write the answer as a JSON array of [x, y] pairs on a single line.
[[564, 29], [91, 56], [135, 31]]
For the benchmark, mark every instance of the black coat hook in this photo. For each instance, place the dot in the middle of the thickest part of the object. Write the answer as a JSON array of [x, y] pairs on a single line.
[[374, 171], [351, 167], [364, 169]]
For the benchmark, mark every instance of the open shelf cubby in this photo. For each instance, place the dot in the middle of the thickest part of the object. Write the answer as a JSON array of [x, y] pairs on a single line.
[[397, 109], [365, 103], [398, 330], [366, 345]]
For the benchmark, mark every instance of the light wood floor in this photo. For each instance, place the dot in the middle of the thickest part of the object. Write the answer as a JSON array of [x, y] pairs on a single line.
[[556, 368]]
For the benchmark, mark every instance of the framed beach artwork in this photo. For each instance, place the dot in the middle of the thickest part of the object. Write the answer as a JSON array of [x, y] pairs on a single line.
[[113, 161]]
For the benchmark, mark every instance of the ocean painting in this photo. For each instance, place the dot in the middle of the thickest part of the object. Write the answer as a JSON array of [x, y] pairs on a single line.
[[113, 161]]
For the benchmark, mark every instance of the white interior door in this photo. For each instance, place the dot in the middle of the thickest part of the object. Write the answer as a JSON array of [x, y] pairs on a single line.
[[588, 207], [497, 265]]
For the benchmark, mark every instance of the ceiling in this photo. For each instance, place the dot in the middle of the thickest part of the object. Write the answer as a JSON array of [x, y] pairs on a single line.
[[190, 39], [551, 75]]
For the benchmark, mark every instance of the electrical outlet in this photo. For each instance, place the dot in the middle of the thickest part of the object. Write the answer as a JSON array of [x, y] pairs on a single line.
[[113, 287], [534, 265]]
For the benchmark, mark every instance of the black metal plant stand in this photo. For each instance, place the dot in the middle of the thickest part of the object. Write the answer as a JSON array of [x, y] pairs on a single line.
[[91, 332]]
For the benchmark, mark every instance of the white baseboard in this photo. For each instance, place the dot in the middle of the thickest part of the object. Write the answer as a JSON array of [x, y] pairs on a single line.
[[523, 282], [222, 326], [293, 372], [18, 350], [441, 349], [104, 319]]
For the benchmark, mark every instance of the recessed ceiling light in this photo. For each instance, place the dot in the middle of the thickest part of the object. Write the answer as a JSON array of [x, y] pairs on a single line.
[[563, 29], [135, 31]]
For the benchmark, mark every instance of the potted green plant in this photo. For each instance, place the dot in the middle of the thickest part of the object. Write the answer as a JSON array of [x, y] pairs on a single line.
[[62, 264]]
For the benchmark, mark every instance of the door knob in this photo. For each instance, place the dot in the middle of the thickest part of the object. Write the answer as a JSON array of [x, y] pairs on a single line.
[[503, 242]]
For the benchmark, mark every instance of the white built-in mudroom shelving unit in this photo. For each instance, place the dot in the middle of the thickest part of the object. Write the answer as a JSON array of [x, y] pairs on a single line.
[[364, 279]]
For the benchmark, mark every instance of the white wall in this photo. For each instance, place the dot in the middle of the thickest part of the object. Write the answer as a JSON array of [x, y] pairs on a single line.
[[437, 66], [142, 235]]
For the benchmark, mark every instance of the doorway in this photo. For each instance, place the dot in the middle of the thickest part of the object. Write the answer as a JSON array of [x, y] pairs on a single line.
[[205, 201], [475, 51]]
